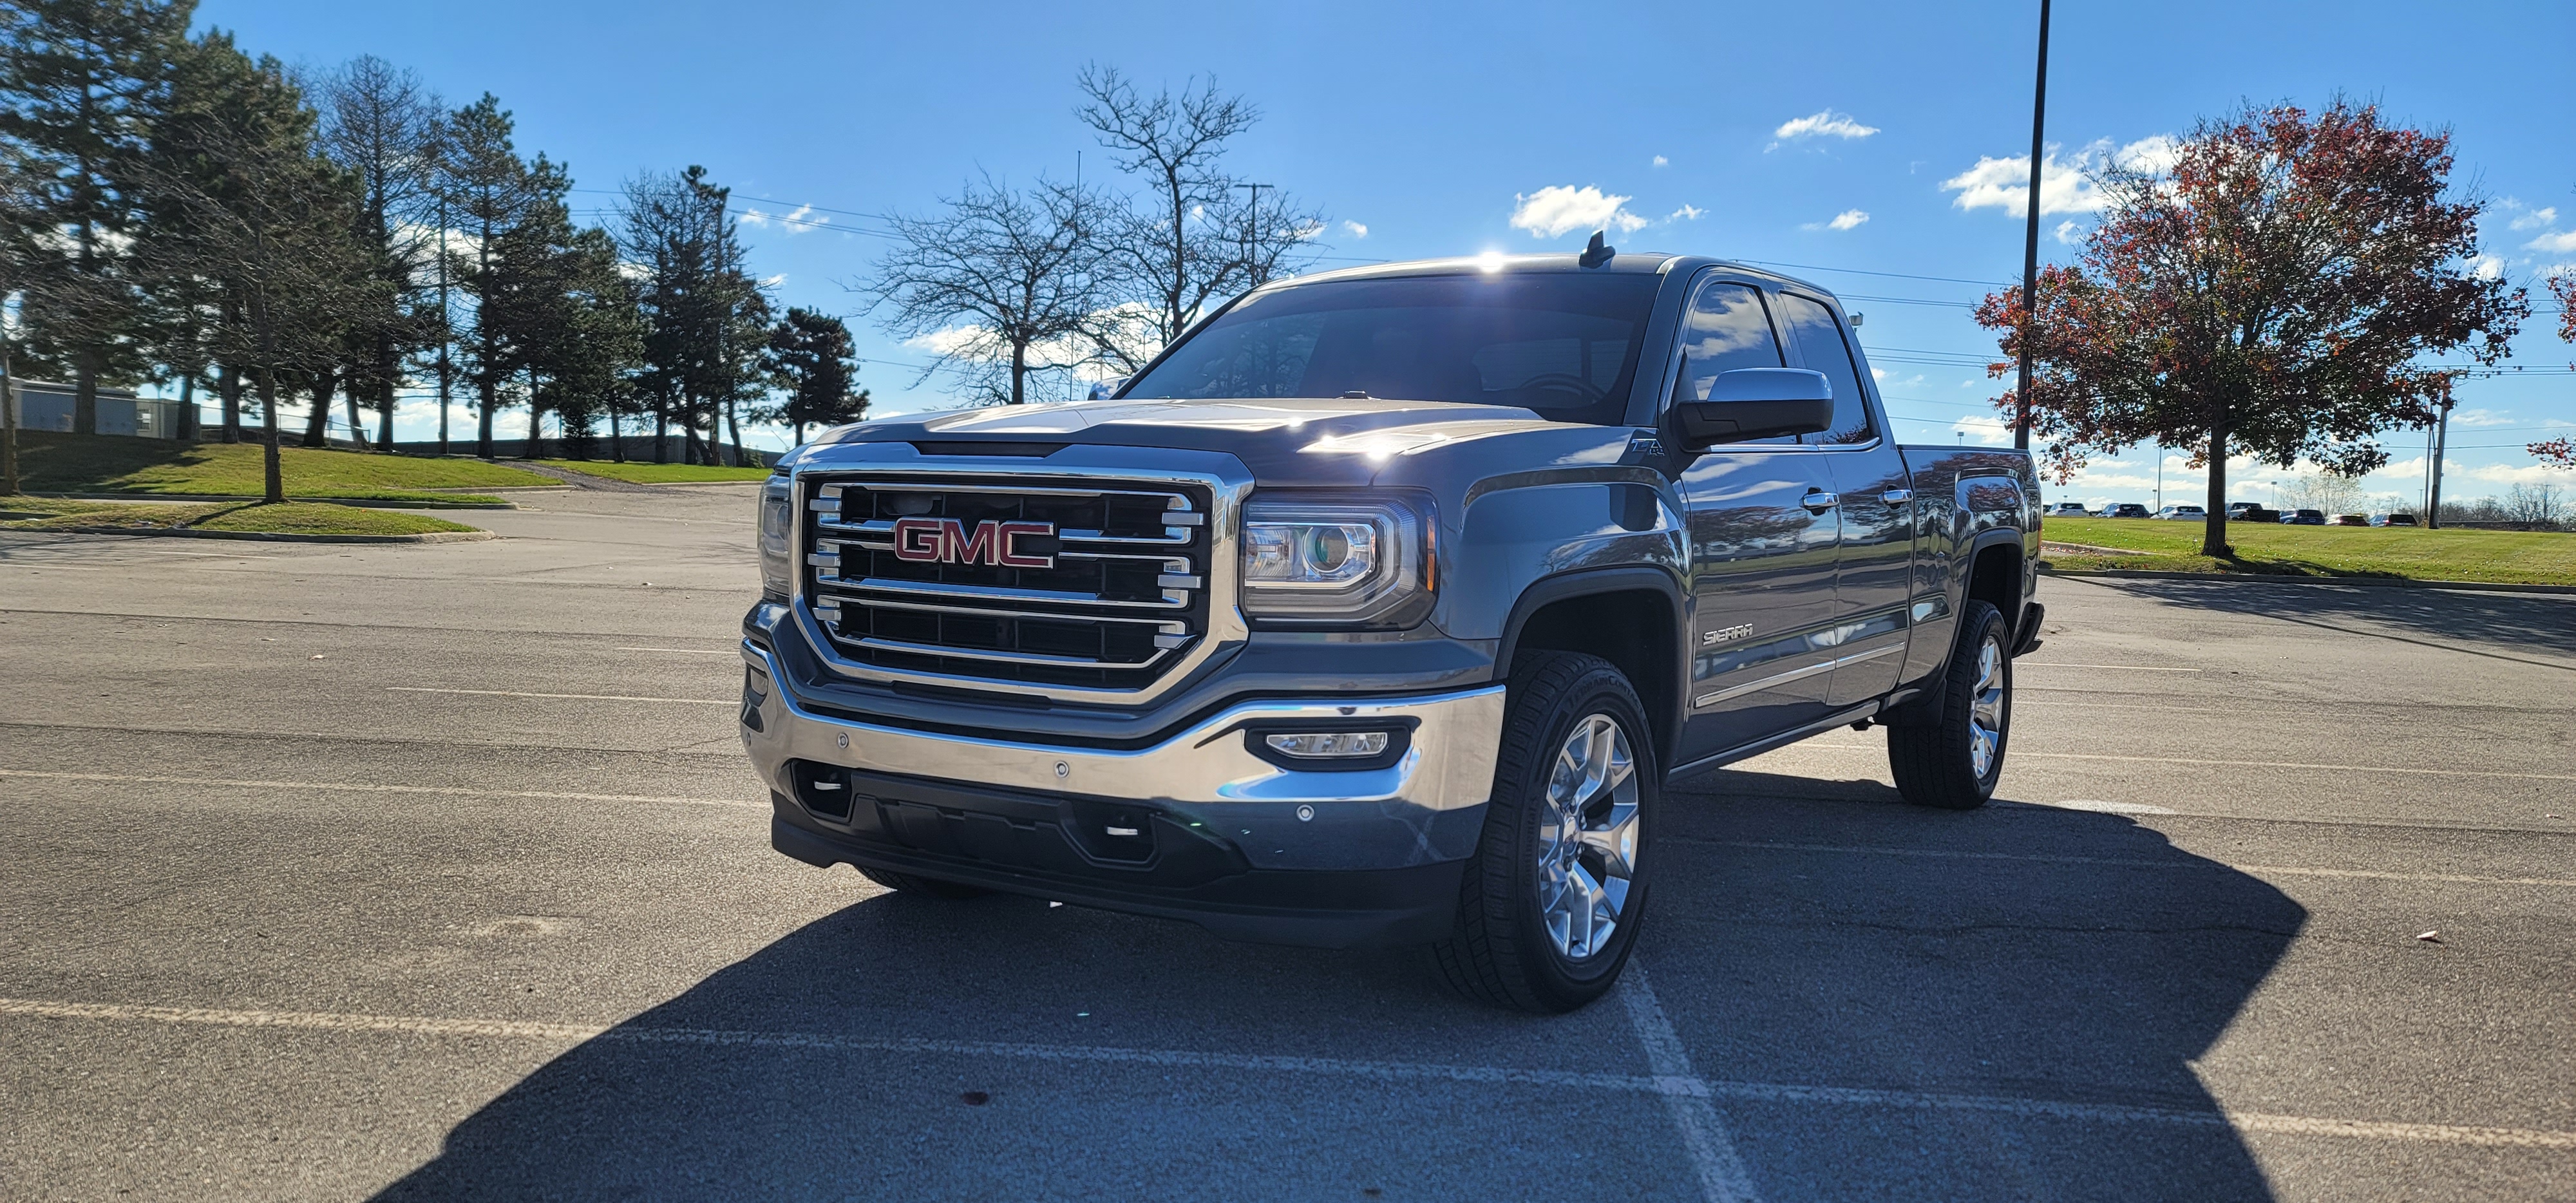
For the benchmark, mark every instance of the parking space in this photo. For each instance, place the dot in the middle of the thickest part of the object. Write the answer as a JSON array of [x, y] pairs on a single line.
[[437, 872]]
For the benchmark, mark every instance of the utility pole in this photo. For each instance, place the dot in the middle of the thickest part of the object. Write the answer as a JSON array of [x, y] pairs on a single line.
[[2030, 241], [443, 331], [2160, 478], [2441, 443], [1252, 236]]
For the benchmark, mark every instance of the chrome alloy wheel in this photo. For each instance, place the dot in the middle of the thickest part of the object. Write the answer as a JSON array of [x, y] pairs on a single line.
[[1587, 839], [1987, 711]]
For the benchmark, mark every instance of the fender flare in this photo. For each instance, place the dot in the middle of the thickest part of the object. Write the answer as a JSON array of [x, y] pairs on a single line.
[[1588, 582]]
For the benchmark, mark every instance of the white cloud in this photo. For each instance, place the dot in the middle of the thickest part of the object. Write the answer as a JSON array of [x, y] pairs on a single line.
[[1990, 432], [1844, 220], [2537, 219], [1686, 213], [2479, 417], [2005, 183], [2509, 474], [1356, 229], [1560, 209], [2065, 231], [754, 217], [2487, 267], [1824, 124], [802, 220], [1661, 161], [2556, 241], [774, 281]]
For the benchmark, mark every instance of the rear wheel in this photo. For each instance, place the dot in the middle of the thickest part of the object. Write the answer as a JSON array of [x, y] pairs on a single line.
[[1954, 763], [914, 883], [1551, 902]]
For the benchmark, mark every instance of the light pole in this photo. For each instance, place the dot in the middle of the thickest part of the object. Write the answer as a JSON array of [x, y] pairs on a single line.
[[2030, 239]]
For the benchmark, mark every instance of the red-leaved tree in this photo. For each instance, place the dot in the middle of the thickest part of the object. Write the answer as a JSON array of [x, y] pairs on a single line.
[[2561, 451], [2272, 293]]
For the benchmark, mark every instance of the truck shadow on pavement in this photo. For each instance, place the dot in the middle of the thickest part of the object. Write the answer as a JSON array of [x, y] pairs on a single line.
[[1963, 1001]]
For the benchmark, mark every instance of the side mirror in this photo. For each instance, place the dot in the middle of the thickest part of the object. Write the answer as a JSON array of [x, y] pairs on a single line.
[[1106, 389], [1754, 403]]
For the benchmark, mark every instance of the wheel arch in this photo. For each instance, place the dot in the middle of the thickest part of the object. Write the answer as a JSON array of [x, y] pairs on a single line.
[[1630, 616]]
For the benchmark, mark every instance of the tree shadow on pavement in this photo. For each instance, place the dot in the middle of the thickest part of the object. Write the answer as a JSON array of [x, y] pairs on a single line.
[[2502, 623], [2042, 958]]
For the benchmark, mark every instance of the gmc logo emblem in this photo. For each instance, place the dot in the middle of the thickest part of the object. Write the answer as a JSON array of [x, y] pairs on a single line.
[[947, 541]]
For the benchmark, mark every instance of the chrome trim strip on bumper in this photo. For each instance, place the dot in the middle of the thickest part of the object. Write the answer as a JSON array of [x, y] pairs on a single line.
[[1448, 763]]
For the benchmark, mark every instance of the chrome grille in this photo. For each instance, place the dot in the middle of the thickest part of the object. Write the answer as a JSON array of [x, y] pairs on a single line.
[[1127, 594]]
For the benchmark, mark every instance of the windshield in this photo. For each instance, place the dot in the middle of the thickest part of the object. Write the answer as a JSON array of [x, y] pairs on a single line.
[[1562, 344]]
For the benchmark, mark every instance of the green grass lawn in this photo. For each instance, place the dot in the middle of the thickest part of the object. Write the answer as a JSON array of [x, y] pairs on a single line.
[[51, 462], [292, 517], [2514, 557], [656, 474]]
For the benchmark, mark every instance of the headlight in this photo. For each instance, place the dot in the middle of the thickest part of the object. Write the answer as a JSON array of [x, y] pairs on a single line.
[[1331, 562], [777, 525]]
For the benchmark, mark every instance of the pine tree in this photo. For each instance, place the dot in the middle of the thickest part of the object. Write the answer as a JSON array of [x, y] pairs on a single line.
[[489, 191], [812, 358], [82, 84]]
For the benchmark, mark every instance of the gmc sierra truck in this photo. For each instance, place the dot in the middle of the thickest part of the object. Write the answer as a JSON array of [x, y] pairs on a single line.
[[1381, 608]]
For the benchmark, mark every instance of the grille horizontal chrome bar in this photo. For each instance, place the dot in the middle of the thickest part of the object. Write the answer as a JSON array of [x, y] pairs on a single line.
[[1132, 575]]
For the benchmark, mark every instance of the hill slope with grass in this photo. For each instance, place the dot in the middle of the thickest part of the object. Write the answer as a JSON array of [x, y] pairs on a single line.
[[291, 517], [50, 462], [2495, 556]]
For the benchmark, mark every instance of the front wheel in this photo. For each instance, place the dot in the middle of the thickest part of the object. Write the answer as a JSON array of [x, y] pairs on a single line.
[[1953, 764], [1551, 901]]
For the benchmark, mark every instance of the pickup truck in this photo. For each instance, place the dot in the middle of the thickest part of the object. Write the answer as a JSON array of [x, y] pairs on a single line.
[[1383, 607]]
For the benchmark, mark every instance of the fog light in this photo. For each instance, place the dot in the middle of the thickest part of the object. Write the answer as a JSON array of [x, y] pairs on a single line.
[[1328, 745]]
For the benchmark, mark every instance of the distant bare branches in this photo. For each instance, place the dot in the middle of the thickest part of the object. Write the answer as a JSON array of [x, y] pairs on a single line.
[[1005, 282]]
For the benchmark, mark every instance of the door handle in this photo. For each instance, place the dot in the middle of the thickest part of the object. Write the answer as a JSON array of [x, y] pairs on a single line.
[[1897, 496], [1820, 501]]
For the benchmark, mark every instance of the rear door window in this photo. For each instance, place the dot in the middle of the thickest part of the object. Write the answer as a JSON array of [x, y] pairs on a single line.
[[1822, 349]]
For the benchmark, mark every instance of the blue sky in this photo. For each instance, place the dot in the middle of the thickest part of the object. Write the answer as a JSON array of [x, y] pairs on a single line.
[[1733, 130]]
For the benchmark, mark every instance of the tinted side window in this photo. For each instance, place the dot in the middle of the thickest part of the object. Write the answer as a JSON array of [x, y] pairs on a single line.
[[1728, 329], [1820, 343]]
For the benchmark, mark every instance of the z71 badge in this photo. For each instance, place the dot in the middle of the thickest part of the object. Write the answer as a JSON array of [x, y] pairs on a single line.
[[1723, 634]]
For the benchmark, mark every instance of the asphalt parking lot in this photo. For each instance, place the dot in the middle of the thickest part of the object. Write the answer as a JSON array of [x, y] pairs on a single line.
[[437, 872]]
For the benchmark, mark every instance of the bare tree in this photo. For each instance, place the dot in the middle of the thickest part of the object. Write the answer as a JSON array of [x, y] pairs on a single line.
[[381, 125], [1004, 283], [1198, 235], [260, 217]]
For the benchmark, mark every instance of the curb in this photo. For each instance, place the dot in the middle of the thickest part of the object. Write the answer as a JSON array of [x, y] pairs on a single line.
[[442, 536], [2357, 582], [364, 503]]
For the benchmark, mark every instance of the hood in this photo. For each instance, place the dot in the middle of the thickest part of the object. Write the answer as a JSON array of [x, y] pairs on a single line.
[[1281, 440]]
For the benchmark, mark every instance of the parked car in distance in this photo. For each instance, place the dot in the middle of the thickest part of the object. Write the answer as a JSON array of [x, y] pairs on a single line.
[[2125, 509], [2183, 513], [2069, 509], [2303, 517], [2250, 511], [2351, 520], [2393, 520]]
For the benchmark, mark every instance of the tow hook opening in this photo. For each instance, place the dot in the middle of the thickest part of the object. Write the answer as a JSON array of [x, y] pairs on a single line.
[[1112, 831], [823, 790]]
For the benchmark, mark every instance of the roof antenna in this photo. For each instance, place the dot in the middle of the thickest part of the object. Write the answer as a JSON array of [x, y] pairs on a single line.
[[1597, 253]]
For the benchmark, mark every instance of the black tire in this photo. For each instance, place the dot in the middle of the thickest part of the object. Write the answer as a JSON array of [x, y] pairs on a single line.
[[1936, 763], [928, 887], [1501, 951]]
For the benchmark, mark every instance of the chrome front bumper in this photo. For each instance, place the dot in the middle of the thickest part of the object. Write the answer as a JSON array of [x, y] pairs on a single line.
[[1424, 809]]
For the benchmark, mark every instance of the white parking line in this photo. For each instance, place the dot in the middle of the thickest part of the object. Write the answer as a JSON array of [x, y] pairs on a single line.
[[2232, 764], [1684, 1085], [2126, 668], [2131, 863], [578, 697], [682, 651], [370, 787], [1721, 1173]]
